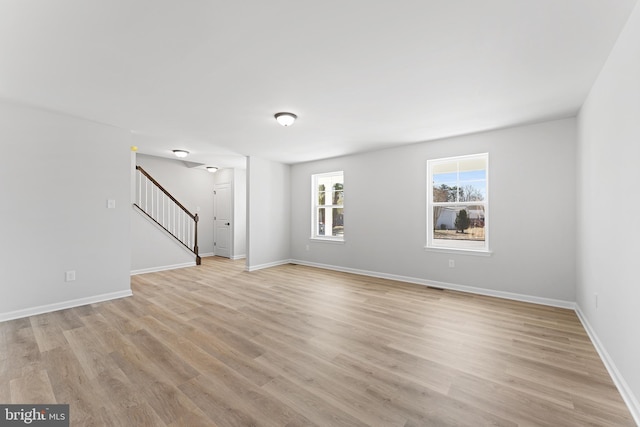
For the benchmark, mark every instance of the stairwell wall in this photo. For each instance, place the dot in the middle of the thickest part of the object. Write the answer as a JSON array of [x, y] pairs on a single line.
[[153, 249]]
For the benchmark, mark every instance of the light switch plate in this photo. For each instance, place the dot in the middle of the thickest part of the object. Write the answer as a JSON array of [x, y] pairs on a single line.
[[111, 204]]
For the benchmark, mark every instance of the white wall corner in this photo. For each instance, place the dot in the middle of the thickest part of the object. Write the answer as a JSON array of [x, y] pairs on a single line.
[[625, 391], [268, 265]]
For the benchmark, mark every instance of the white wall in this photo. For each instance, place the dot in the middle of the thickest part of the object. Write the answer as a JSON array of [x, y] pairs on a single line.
[[239, 214], [56, 176], [193, 188], [609, 174], [532, 208], [153, 249], [268, 213]]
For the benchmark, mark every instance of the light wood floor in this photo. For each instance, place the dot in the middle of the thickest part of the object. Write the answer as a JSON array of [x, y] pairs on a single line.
[[297, 346]]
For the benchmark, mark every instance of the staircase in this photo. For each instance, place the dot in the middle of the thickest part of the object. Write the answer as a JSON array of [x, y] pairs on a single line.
[[163, 209]]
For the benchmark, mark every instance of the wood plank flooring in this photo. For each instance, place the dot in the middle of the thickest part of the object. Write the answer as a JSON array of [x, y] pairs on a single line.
[[296, 346]]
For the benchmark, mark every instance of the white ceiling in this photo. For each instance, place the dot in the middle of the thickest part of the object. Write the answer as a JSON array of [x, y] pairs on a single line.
[[208, 76]]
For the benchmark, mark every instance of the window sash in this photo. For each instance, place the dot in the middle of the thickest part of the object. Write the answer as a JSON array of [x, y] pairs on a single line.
[[478, 235], [336, 220]]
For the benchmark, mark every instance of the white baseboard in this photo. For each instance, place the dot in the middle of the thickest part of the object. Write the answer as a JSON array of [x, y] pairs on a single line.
[[162, 268], [33, 311], [267, 265], [625, 391], [451, 286], [232, 257]]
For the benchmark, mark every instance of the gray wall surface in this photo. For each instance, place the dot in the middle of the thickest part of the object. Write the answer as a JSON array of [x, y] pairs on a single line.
[[268, 213], [193, 187], [239, 213], [532, 212], [609, 150], [56, 175], [153, 249]]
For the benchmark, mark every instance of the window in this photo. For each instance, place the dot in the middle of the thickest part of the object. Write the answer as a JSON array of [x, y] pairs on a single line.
[[327, 219], [457, 203]]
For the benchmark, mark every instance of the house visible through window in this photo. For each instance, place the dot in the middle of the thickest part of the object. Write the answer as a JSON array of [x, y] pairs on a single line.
[[327, 220], [457, 203]]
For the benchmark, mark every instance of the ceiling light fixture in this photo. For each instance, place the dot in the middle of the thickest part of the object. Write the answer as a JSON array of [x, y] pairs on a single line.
[[212, 169], [181, 153], [286, 119]]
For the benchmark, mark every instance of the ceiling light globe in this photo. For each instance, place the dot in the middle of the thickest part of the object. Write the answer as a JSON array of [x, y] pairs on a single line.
[[181, 153], [286, 119]]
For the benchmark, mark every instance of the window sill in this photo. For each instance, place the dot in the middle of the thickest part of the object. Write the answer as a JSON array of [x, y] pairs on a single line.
[[473, 252], [327, 240]]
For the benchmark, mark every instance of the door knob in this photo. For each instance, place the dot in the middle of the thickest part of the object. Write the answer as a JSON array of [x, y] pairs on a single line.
[[227, 223]]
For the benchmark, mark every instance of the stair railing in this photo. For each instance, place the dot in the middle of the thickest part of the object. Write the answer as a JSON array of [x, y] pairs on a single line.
[[160, 206]]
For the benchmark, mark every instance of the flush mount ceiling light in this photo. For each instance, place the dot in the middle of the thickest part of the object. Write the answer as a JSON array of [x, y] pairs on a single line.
[[212, 169], [286, 119], [181, 153]]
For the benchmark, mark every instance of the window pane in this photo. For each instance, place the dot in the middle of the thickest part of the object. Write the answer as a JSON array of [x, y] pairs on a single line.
[[458, 206], [338, 198], [443, 178], [445, 167], [477, 175], [324, 183], [476, 163], [320, 231], [473, 191], [460, 181], [321, 197], [328, 192], [338, 222], [446, 193], [439, 194], [459, 223]]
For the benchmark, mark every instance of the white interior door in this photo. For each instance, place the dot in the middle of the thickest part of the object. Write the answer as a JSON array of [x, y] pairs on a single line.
[[222, 220]]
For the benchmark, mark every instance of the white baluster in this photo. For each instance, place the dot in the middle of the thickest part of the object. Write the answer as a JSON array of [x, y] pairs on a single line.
[[146, 193], [139, 177]]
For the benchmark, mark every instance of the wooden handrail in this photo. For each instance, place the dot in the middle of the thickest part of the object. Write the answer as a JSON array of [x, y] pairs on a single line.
[[157, 184], [193, 217]]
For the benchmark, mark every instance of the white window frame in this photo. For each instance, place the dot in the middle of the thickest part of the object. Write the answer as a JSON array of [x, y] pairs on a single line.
[[315, 206], [443, 245]]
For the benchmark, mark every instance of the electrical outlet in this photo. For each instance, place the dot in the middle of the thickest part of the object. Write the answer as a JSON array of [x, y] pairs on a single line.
[[70, 276], [452, 263]]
